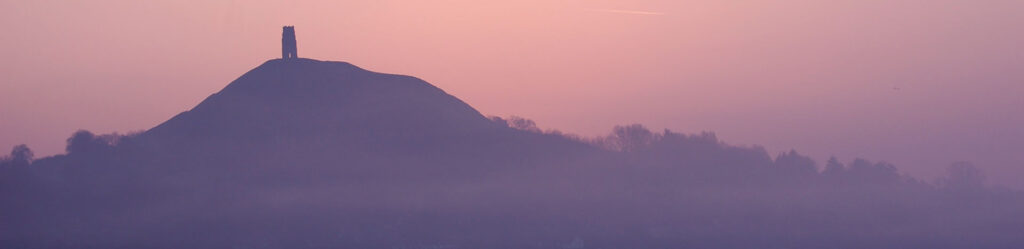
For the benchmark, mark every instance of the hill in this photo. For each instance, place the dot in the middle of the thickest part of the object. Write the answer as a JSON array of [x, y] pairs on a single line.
[[300, 153], [339, 118]]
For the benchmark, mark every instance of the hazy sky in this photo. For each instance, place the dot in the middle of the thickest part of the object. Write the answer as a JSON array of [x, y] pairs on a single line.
[[917, 83]]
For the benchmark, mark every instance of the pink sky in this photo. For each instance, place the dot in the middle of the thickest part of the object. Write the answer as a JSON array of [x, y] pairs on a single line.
[[917, 83]]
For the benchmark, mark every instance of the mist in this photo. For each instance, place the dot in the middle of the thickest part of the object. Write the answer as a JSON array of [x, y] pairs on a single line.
[[631, 188], [651, 124]]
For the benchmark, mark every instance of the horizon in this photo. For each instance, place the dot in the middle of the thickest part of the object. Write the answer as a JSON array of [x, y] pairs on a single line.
[[814, 77], [511, 124]]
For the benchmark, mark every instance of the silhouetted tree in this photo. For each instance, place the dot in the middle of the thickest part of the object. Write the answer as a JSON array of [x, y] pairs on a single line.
[[80, 141], [864, 172], [522, 124], [963, 175], [85, 142], [21, 155], [833, 167], [516, 122], [628, 138], [791, 165]]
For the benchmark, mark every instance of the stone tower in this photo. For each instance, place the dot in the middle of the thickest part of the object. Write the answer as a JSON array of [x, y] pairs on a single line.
[[288, 50]]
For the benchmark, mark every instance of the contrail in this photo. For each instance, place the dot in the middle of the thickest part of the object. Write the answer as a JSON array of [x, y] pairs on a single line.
[[631, 12]]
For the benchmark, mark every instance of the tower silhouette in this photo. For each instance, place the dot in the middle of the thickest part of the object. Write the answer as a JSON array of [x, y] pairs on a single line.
[[288, 49]]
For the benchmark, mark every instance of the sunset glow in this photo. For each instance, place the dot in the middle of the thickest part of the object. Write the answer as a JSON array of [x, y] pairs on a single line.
[[919, 85]]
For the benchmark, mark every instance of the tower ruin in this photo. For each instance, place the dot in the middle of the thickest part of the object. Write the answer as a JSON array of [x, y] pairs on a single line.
[[288, 49]]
